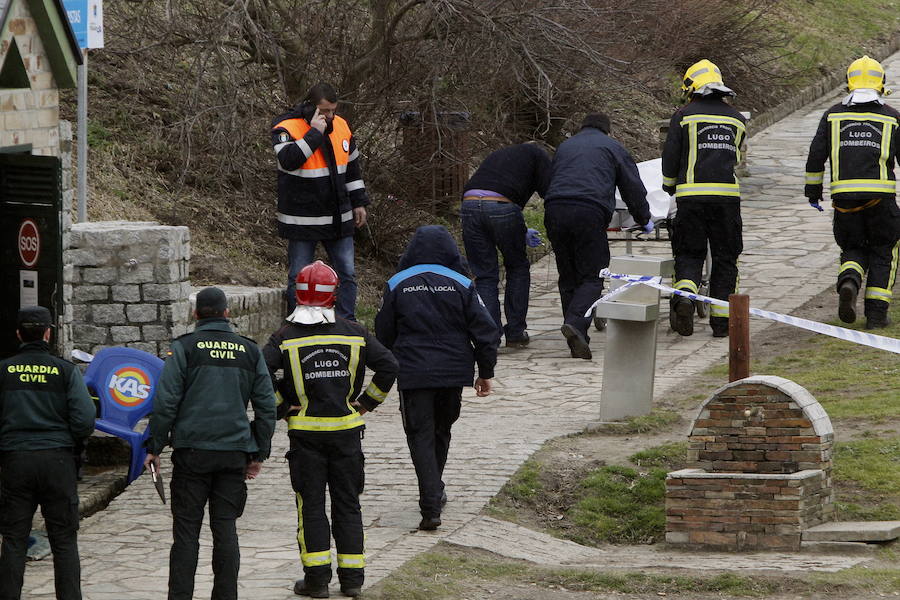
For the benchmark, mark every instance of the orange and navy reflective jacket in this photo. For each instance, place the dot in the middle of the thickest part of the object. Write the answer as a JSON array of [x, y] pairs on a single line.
[[319, 183]]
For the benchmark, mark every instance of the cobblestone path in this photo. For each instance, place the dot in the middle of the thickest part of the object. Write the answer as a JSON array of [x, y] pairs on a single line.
[[541, 393]]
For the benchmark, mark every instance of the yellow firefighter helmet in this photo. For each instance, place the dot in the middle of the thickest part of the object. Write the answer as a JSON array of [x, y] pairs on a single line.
[[699, 74], [865, 73]]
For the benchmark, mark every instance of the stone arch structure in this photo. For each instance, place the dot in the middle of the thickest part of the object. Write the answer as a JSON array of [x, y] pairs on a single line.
[[760, 454]]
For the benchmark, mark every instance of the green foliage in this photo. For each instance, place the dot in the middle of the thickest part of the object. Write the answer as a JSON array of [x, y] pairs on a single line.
[[525, 484], [871, 464], [98, 136], [621, 505], [671, 456]]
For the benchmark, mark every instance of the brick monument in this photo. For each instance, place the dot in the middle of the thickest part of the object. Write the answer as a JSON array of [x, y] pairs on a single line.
[[760, 458]]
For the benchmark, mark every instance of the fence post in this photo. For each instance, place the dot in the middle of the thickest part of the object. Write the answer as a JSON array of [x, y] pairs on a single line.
[[738, 336]]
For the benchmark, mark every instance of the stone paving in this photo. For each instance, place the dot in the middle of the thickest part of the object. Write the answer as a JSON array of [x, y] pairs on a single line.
[[541, 393]]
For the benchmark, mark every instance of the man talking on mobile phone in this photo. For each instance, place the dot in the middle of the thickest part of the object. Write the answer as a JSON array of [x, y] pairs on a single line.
[[321, 194]]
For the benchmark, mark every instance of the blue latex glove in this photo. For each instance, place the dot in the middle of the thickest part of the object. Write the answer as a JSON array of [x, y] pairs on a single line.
[[649, 227], [533, 238], [814, 202]]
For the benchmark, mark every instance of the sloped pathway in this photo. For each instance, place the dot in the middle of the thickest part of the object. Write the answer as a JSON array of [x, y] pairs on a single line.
[[541, 393]]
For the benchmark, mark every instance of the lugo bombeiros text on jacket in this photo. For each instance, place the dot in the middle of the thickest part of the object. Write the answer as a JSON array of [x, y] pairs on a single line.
[[702, 148], [319, 178], [324, 371], [860, 141]]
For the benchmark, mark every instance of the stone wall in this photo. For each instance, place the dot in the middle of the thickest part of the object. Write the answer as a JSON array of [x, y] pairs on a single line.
[[29, 115], [130, 284], [256, 312], [760, 458]]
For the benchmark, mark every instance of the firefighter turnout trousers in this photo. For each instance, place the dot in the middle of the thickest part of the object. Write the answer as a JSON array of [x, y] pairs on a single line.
[[713, 225], [334, 460], [868, 233]]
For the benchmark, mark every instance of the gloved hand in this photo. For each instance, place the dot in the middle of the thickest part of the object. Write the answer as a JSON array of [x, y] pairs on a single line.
[[649, 227], [814, 202], [533, 238]]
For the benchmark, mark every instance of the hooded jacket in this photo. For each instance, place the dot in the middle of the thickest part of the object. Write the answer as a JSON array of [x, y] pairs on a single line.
[[432, 318]]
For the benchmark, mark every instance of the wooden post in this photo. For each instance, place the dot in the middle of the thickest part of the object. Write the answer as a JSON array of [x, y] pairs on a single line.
[[738, 337]]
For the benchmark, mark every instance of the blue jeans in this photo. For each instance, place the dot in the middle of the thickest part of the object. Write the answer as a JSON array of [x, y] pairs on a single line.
[[488, 226], [340, 253]]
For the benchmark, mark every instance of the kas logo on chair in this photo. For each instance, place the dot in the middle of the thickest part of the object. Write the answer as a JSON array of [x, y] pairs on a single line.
[[130, 386]]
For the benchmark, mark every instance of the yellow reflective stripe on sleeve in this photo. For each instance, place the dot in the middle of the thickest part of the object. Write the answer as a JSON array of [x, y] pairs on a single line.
[[278, 399], [686, 284], [718, 311], [351, 561], [852, 265], [692, 151], [373, 391], [352, 367], [854, 116], [881, 186], [874, 293], [708, 189], [715, 119], [670, 180], [321, 340], [305, 423], [297, 375], [316, 559], [885, 151], [815, 178]]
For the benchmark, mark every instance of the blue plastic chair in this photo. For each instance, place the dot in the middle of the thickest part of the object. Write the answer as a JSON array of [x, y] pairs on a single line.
[[125, 380]]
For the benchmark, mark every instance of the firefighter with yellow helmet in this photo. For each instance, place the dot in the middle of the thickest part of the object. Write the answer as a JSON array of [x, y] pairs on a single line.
[[859, 137], [702, 147]]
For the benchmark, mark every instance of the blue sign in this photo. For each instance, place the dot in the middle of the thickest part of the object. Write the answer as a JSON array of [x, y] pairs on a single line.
[[86, 18]]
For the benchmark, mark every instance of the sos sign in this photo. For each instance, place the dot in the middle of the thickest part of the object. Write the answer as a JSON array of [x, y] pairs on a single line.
[[29, 243]]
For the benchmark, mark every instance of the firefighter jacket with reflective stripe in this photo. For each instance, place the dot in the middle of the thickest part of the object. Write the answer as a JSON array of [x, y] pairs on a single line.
[[702, 147], [433, 319], [319, 179], [206, 384], [861, 143], [324, 368], [44, 403]]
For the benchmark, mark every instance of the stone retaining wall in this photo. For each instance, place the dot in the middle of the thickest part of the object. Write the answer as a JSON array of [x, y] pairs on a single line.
[[256, 312], [129, 284]]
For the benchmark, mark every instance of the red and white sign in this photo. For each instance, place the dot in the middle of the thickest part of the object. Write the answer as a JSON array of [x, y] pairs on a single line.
[[29, 243]]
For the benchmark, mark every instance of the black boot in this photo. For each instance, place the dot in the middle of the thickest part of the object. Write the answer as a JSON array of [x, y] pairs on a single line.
[[429, 523], [302, 588], [578, 345], [681, 315], [847, 303], [877, 314]]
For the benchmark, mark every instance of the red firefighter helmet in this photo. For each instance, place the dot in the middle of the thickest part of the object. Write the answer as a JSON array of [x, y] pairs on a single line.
[[316, 285]]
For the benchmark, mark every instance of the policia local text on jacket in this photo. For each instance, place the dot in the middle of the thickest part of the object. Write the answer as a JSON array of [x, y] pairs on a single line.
[[701, 150], [200, 408], [861, 141], [435, 323], [44, 409], [324, 369]]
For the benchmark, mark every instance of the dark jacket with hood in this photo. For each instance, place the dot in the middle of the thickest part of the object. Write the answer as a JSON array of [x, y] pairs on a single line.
[[433, 319]]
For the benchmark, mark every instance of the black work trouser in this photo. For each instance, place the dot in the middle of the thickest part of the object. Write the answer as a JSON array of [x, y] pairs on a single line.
[[713, 225], [198, 477], [578, 236], [428, 414], [332, 459], [29, 479], [868, 241]]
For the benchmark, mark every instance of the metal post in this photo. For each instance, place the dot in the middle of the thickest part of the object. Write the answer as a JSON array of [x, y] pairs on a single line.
[[738, 336], [82, 149]]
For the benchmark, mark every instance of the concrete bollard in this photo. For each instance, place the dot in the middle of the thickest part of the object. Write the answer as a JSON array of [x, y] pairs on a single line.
[[629, 362]]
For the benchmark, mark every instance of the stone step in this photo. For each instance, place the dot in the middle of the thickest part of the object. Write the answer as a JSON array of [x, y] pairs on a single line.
[[853, 531]]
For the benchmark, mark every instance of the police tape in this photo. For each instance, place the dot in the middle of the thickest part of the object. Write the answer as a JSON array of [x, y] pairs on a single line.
[[851, 335]]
